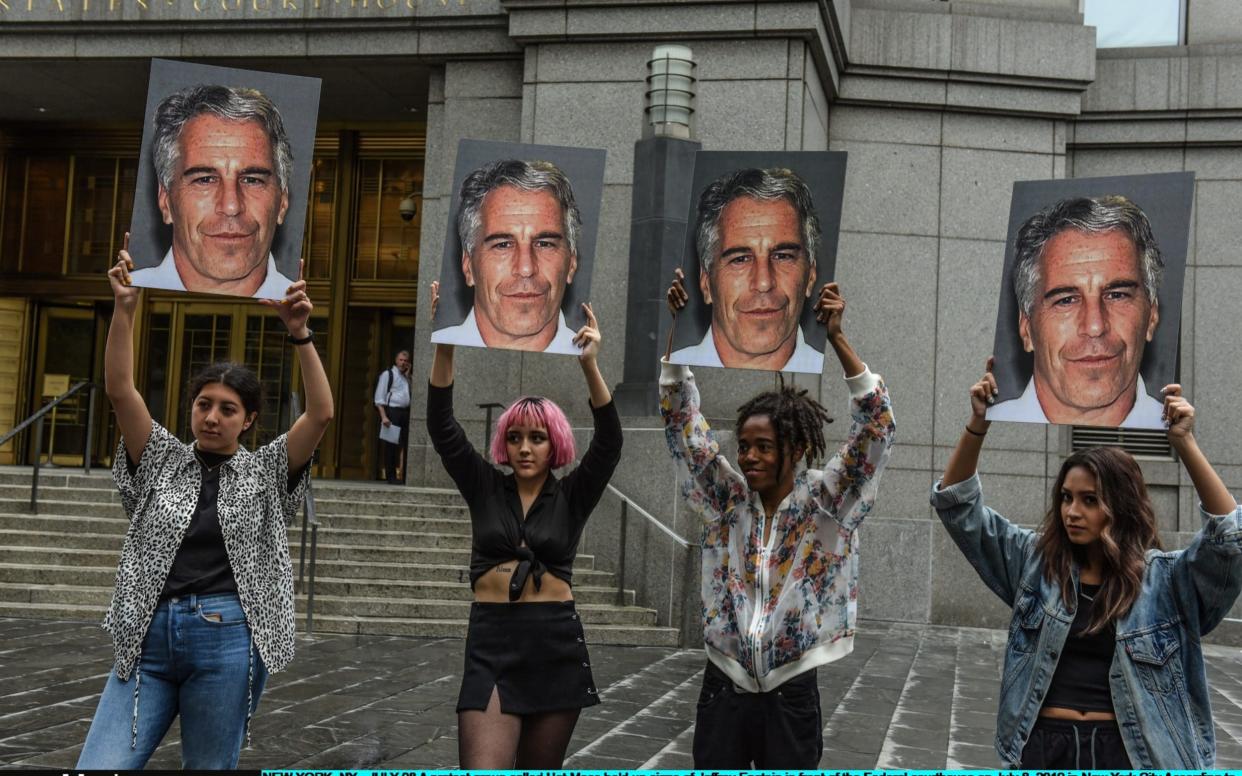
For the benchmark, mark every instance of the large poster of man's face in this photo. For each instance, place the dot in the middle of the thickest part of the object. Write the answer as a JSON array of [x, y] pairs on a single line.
[[220, 204], [761, 241], [520, 246], [1087, 331]]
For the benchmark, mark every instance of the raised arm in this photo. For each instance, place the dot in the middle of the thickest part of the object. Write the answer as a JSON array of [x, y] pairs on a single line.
[[462, 462], [304, 435], [1209, 571], [1180, 415], [442, 359], [964, 460], [132, 416], [712, 484], [850, 480], [996, 548], [588, 338], [586, 483]]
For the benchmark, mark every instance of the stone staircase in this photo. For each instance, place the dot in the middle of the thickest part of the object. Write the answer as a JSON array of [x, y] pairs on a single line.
[[391, 561]]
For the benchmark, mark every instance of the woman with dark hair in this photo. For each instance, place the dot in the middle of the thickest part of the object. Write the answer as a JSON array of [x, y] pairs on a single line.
[[1104, 667], [527, 675], [203, 607]]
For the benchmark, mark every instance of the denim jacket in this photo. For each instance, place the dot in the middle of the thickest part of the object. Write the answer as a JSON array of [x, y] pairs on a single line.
[[1158, 682]]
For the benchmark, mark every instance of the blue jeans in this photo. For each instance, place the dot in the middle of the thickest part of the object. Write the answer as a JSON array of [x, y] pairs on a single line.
[[196, 661]]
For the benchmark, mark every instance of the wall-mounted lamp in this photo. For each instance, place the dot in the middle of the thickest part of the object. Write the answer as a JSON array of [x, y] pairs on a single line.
[[670, 90]]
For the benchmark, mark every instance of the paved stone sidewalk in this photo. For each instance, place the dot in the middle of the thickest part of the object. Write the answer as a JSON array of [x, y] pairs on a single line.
[[909, 696]]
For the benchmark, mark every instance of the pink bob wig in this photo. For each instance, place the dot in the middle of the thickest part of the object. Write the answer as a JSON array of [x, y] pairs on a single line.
[[537, 412]]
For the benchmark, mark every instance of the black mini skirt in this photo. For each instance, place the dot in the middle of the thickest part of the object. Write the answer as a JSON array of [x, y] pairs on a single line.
[[534, 654]]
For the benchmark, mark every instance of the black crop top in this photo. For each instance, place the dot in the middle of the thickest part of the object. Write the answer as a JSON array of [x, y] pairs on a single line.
[[1080, 681], [553, 525]]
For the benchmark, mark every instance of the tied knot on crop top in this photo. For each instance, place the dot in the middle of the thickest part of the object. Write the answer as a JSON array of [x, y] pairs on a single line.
[[545, 538]]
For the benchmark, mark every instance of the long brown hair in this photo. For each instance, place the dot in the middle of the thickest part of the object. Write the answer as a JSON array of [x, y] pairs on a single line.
[[1127, 535]]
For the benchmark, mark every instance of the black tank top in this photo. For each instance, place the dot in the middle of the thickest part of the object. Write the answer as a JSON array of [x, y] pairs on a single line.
[[1081, 679]]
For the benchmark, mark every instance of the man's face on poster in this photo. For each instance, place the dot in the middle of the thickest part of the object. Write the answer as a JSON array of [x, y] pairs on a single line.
[[521, 265], [760, 278], [1089, 322], [225, 199]]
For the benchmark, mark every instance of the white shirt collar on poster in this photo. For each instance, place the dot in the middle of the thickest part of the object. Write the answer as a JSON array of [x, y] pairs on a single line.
[[165, 276]]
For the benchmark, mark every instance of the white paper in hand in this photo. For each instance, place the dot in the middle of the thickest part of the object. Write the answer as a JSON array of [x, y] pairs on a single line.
[[390, 434]]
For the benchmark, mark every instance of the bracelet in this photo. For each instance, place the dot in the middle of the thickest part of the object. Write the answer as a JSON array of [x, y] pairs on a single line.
[[976, 433], [310, 337]]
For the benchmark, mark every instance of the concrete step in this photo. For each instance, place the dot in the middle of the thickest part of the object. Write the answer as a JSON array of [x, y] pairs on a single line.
[[64, 523], [62, 556], [103, 550], [56, 503], [415, 609], [595, 634], [385, 495], [108, 518], [46, 573], [58, 477], [441, 591], [77, 595], [325, 589], [38, 569], [51, 493], [50, 506], [61, 539], [379, 555], [452, 524], [79, 601], [421, 572], [58, 611], [408, 539], [334, 506]]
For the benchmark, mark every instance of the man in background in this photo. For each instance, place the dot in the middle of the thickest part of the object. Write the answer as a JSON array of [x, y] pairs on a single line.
[[392, 401]]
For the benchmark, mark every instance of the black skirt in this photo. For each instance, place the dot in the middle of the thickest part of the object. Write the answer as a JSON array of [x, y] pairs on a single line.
[[534, 654]]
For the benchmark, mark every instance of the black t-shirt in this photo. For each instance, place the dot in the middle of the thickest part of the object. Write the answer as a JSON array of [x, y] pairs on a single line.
[[1081, 679], [201, 565]]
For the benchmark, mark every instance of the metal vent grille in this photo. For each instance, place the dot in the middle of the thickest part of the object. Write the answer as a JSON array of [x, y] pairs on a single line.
[[1141, 443]]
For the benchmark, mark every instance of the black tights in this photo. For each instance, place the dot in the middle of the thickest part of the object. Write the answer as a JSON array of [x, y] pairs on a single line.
[[493, 740]]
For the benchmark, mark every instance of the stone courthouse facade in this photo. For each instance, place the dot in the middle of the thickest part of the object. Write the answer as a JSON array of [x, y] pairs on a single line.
[[941, 106]]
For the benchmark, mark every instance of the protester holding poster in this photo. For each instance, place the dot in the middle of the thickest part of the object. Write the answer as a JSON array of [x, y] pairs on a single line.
[[223, 180], [519, 251], [203, 606], [779, 581], [527, 674], [1091, 301], [1104, 665]]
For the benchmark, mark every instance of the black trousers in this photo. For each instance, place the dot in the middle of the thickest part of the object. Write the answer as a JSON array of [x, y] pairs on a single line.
[[1062, 744], [400, 416], [737, 730]]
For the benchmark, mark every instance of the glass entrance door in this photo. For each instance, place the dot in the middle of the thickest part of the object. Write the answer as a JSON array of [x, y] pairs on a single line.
[[184, 337], [67, 347]]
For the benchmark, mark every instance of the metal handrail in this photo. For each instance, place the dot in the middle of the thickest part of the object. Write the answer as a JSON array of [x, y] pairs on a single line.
[[626, 503], [650, 517], [308, 519], [37, 415]]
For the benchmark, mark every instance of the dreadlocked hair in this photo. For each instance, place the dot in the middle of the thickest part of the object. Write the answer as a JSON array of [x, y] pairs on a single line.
[[797, 419]]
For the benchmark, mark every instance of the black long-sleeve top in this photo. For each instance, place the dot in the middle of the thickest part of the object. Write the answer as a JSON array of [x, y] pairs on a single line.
[[547, 539]]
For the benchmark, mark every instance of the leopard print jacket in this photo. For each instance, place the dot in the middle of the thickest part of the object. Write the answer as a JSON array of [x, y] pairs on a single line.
[[255, 506]]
